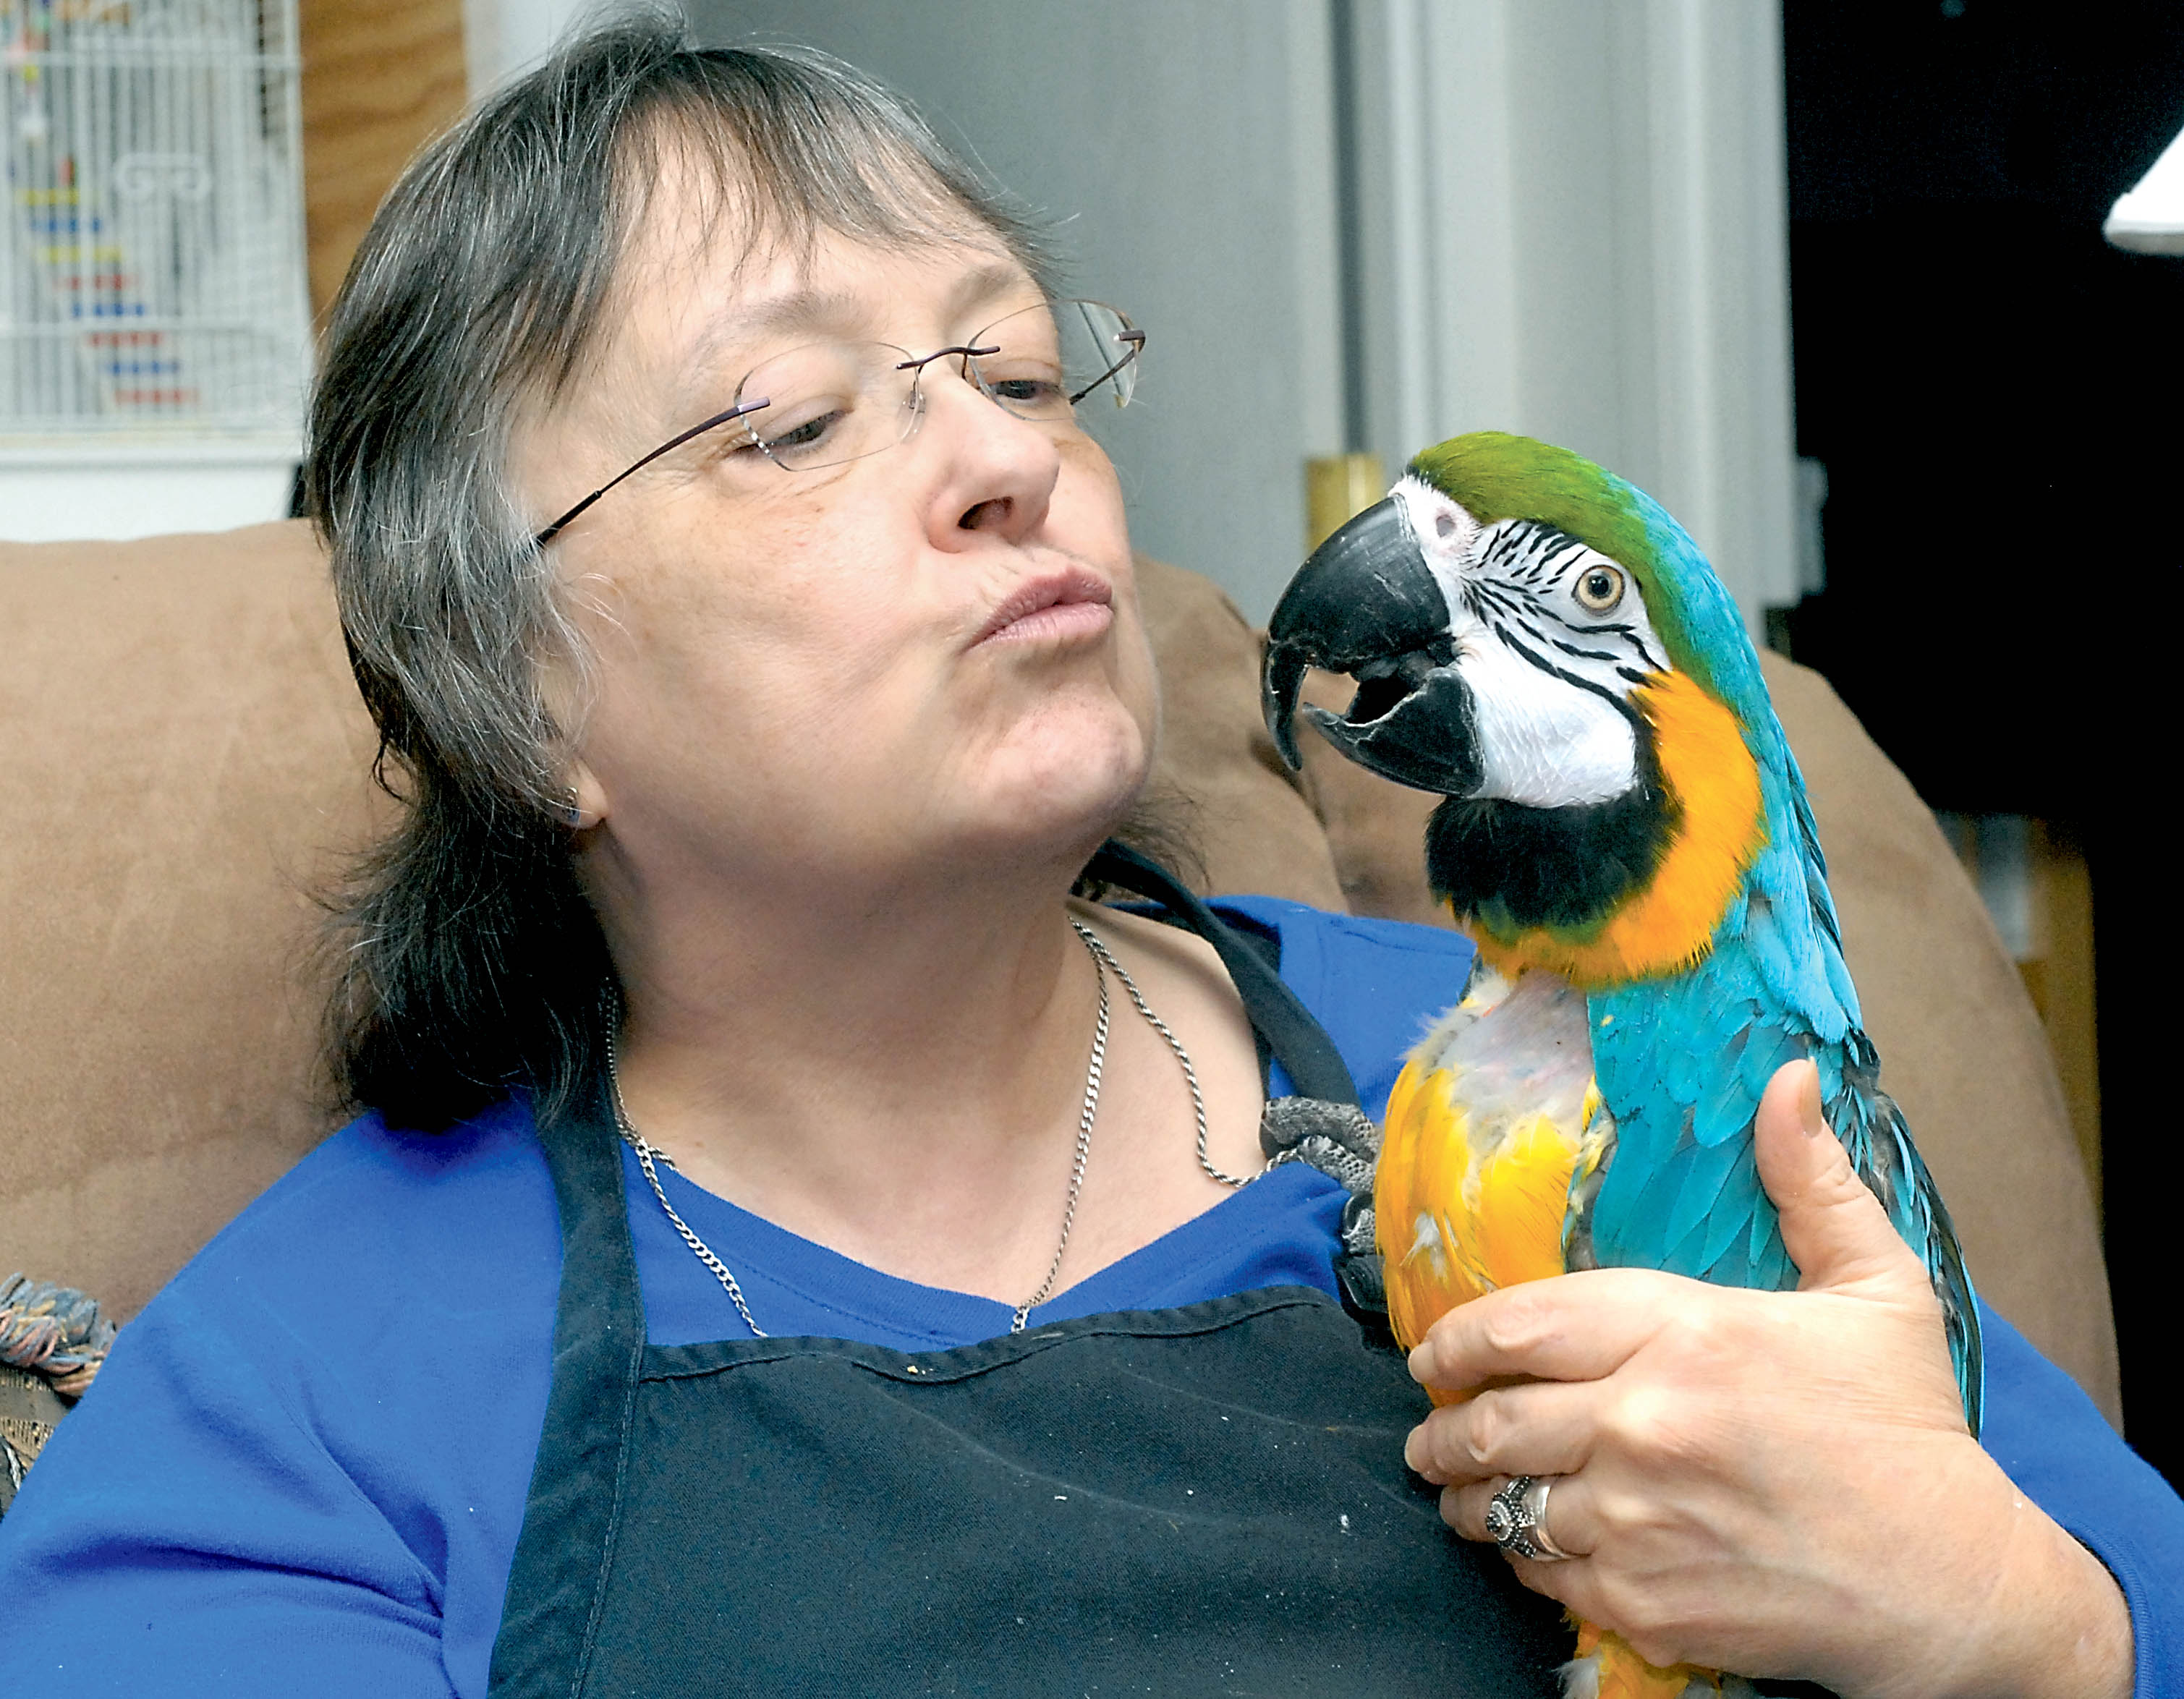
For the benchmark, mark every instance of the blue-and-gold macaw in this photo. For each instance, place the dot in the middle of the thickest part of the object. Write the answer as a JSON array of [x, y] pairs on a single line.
[[1626, 834]]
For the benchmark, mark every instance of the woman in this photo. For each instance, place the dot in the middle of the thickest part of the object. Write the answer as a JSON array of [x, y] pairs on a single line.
[[918, 1331]]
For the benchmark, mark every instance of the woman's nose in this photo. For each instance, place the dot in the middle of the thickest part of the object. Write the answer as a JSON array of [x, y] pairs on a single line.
[[998, 471]]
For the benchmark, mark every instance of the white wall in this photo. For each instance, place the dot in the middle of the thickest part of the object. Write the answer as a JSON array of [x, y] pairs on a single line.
[[1574, 217], [148, 487], [500, 37], [1181, 150], [1576, 229]]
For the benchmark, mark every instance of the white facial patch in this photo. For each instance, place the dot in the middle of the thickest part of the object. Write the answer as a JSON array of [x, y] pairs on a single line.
[[1543, 743], [1444, 530], [1551, 636]]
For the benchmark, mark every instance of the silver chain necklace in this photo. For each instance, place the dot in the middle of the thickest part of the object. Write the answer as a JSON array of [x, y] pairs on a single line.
[[649, 1154]]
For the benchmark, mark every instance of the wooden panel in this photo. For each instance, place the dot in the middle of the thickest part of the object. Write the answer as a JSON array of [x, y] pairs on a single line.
[[2034, 879], [2062, 984], [380, 78], [1337, 488]]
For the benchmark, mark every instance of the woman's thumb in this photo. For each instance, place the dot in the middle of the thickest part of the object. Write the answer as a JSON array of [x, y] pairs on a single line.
[[1832, 1226]]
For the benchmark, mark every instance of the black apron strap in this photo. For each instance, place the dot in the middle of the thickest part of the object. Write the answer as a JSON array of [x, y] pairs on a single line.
[[1297, 1041], [557, 1586]]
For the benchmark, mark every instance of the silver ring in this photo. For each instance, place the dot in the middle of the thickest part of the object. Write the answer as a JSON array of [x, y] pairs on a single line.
[[1517, 1520]]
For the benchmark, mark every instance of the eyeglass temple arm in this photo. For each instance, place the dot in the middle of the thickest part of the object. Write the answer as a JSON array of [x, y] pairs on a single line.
[[699, 429], [1136, 338]]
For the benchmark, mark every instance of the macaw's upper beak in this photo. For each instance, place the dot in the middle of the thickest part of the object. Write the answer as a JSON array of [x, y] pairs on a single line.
[[1366, 604]]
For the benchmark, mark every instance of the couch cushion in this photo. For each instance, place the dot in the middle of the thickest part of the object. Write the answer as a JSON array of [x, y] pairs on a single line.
[[185, 750], [1249, 820]]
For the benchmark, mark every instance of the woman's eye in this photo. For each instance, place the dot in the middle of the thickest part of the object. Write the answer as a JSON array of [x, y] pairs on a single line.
[[1027, 392], [1026, 385], [797, 430], [806, 435], [1599, 588]]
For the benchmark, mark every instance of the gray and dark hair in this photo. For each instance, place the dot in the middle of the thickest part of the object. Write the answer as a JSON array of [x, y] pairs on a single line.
[[466, 960]]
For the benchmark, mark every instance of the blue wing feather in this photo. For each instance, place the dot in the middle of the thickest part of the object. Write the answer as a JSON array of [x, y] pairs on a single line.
[[1705, 1199], [1730, 1230]]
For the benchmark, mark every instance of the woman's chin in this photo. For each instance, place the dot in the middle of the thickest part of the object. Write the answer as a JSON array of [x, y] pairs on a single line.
[[1058, 808]]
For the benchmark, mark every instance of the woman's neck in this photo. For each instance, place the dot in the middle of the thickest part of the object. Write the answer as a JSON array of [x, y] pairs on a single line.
[[884, 1071]]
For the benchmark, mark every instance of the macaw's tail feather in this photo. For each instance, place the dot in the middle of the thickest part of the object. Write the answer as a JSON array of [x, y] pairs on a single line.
[[1606, 1667]]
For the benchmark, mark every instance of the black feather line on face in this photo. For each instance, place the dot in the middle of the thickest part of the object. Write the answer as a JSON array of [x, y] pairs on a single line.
[[1509, 642], [1630, 635], [1526, 621], [1506, 598], [1571, 648], [1512, 868]]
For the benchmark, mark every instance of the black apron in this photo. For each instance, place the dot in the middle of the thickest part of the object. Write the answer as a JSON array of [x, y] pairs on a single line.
[[1209, 1500]]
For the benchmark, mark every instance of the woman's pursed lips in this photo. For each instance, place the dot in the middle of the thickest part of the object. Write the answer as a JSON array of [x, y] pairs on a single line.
[[1067, 605]]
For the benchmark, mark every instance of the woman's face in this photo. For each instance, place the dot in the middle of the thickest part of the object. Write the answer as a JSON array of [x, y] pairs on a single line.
[[919, 660]]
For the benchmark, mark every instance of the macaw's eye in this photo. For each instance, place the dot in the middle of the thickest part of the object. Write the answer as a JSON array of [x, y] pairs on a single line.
[[1599, 588]]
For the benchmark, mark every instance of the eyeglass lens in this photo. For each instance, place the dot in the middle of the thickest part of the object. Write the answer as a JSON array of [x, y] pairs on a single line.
[[834, 402], [830, 403]]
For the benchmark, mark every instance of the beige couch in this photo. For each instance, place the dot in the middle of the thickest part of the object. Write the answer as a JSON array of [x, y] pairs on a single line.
[[182, 756]]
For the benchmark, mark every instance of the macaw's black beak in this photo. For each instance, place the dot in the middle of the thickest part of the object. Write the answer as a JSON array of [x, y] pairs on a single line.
[[1366, 605]]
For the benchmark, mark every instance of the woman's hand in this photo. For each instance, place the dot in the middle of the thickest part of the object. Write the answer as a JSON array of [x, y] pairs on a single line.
[[1776, 1484]]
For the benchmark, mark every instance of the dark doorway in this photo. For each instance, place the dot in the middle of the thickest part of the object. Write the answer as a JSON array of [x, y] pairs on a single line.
[[1999, 399]]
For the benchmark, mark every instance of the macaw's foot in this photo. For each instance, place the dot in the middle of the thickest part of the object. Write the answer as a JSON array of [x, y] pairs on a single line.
[[1606, 1667]]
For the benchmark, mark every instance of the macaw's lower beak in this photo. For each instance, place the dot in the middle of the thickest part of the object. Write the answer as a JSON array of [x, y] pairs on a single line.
[[1366, 604]]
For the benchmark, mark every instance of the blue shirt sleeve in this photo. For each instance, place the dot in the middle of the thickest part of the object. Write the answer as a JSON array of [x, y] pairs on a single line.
[[2054, 1443], [189, 1530], [303, 1465]]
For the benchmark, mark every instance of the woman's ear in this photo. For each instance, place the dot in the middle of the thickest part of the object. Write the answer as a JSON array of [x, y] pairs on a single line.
[[583, 799]]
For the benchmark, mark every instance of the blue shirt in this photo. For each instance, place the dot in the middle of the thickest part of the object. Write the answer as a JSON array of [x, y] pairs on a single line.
[[306, 1465]]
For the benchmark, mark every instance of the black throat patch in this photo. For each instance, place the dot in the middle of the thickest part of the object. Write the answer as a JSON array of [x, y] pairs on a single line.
[[1513, 868]]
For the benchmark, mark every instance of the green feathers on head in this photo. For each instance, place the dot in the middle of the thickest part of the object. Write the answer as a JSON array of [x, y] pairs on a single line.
[[1497, 475]]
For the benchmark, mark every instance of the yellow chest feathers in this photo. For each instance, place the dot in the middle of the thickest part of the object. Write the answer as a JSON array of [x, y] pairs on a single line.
[[1494, 1113]]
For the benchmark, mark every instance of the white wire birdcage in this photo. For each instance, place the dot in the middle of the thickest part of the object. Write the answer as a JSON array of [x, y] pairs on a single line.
[[152, 249]]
